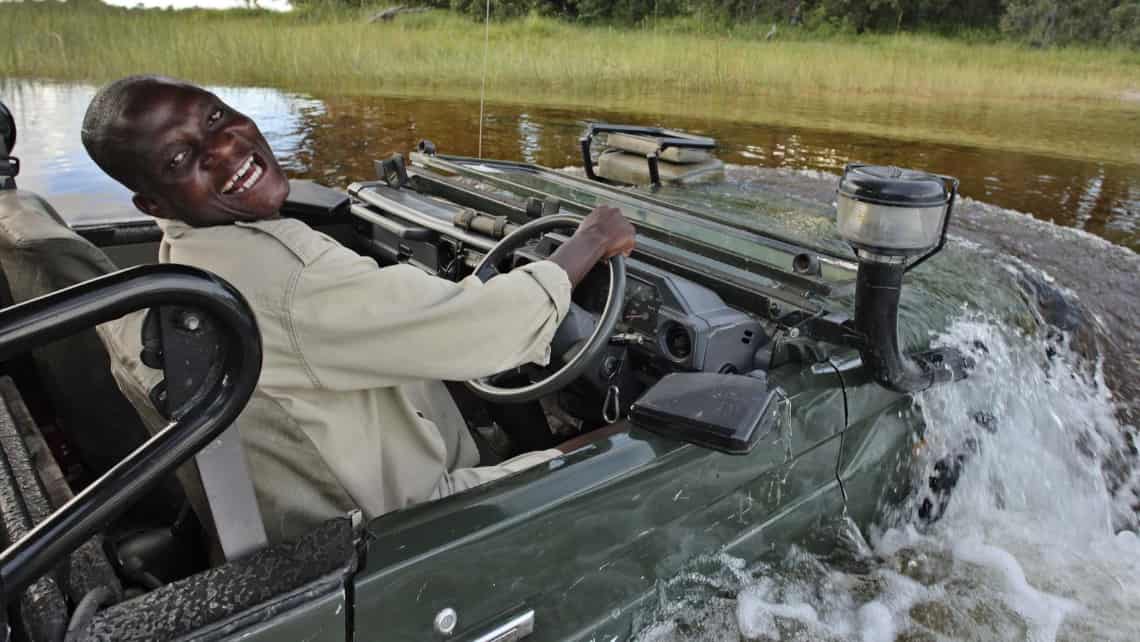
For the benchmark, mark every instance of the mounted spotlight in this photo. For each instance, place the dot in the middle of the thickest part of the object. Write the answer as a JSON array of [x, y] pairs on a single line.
[[890, 216], [9, 165]]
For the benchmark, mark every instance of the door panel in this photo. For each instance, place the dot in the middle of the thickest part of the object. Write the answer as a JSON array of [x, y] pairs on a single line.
[[584, 540]]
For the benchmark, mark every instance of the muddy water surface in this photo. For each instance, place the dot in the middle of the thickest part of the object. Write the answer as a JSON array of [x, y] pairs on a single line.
[[334, 139]]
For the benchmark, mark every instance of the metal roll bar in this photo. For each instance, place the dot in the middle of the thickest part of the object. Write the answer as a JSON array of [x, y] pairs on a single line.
[[193, 426]]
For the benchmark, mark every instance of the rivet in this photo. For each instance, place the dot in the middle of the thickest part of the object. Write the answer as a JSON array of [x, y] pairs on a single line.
[[191, 322], [445, 621]]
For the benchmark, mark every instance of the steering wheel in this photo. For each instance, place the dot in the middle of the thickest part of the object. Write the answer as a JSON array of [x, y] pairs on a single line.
[[572, 329]]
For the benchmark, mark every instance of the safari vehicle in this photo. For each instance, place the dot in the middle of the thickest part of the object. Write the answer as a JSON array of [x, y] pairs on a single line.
[[752, 401]]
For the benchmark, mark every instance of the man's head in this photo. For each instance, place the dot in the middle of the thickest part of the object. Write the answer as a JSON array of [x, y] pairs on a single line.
[[184, 153]]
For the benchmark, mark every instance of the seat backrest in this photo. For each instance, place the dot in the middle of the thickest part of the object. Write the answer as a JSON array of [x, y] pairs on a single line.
[[40, 254]]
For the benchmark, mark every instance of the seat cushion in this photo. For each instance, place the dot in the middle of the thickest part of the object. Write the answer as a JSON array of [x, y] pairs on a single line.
[[644, 145], [631, 169]]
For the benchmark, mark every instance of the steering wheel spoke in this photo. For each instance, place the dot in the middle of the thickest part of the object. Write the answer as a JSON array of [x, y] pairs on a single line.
[[578, 325], [486, 271]]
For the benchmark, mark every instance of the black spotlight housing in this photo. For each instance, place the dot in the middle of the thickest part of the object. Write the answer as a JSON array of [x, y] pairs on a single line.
[[895, 219], [9, 165]]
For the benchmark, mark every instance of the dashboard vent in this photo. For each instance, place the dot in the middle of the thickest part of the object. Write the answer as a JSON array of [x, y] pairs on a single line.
[[678, 343]]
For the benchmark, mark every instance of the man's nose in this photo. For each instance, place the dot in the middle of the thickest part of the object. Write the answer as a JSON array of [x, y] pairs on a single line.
[[220, 146]]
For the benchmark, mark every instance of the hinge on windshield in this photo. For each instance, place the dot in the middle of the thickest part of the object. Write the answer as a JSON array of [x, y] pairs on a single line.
[[393, 171], [809, 338]]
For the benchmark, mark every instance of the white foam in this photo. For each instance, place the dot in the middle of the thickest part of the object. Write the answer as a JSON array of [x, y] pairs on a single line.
[[1031, 545], [756, 612]]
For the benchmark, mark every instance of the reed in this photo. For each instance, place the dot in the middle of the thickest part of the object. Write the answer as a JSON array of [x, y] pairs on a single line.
[[541, 61], [444, 51]]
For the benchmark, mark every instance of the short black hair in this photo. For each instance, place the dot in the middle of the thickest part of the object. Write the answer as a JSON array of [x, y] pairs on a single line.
[[104, 136]]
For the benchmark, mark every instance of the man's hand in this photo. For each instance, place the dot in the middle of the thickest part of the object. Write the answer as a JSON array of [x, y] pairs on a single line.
[[603, 233]]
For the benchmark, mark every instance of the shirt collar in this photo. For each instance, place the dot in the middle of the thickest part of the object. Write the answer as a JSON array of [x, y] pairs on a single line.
[[172, 228], [177, 229]]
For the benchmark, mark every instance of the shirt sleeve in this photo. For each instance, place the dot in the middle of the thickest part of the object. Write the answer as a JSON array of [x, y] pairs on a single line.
[[358, 326], [460, 480]]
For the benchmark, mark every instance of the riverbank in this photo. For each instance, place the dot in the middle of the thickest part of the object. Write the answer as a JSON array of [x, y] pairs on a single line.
[[909, 83]]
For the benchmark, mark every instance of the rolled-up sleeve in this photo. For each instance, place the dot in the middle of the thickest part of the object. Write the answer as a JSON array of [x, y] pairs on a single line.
[[358, 326], [460, 480]]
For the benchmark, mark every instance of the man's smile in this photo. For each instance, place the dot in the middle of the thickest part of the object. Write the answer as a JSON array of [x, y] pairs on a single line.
[[246, 176]]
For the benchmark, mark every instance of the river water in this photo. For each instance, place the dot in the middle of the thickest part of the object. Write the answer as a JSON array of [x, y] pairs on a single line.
[[1039, 542]]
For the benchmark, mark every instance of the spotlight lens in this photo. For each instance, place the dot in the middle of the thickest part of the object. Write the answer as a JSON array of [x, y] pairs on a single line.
[[891, 210]]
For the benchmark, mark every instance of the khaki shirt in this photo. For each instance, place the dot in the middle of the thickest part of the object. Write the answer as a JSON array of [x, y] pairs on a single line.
[[349, 411]]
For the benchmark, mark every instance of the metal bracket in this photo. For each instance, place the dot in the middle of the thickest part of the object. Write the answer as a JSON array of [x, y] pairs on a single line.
[[393, 171], [9, 169], [192, 349], [537, 208]]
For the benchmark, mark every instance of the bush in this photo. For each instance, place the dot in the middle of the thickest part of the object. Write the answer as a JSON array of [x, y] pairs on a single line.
[[1125, 24], [1047, 23], [1039, 22]]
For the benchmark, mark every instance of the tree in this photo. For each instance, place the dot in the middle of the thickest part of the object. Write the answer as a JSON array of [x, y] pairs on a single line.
[[1055, 22]]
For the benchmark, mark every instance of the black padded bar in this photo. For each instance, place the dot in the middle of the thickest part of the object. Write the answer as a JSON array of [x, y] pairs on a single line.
[[44, 319]]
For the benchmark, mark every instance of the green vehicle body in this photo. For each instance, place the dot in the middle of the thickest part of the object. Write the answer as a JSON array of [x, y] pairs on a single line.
[[578, 549], [584, 544]]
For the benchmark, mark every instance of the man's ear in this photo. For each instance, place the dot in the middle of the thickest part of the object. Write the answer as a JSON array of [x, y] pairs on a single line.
[[148, 205]]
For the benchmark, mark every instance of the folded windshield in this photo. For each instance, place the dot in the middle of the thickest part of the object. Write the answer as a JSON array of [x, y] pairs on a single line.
[[755, 230]]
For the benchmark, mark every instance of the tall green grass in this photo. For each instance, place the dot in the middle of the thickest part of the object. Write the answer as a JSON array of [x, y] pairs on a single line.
[[443, 50], [670, 68]]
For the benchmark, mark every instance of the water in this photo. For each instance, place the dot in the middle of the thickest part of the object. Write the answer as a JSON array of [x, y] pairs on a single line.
[[334, 139], [1039, 541], [1033, 545]]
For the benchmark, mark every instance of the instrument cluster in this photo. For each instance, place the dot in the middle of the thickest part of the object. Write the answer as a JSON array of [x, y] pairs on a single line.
[[675, 322], [685, 325]]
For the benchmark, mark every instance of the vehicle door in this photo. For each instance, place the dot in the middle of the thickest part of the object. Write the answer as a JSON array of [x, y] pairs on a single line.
[[575, 548]]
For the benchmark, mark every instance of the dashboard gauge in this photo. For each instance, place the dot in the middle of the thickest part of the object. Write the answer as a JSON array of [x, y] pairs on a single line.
[[642, 302]]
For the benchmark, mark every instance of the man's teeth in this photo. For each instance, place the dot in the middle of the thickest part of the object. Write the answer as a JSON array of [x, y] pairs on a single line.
[[243, 172], [253, 178]]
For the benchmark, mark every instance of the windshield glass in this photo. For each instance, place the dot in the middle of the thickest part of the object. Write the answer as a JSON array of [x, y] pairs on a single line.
[[739, 223], [748, 202]]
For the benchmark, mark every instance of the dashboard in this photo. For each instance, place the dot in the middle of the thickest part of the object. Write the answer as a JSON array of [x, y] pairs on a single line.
[[679, 323], [669, 323]]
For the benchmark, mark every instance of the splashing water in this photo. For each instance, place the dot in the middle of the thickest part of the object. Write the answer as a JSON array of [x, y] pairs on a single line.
[[1037, 543]]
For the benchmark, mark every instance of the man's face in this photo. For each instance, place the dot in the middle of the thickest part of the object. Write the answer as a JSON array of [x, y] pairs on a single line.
[[200, 161]]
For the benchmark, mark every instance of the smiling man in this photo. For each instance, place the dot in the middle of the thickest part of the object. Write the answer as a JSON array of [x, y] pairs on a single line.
[[349, 411]]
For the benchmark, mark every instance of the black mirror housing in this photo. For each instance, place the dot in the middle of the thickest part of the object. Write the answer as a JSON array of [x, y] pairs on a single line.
[[725, 412]]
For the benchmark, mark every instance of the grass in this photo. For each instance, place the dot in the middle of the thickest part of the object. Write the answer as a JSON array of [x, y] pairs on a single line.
[[794, 80]]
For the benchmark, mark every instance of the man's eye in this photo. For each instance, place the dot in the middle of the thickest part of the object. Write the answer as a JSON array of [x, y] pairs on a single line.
[[215, 116], [177, 159]]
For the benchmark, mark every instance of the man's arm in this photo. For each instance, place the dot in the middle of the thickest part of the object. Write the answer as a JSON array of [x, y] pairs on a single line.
[[356, 326]]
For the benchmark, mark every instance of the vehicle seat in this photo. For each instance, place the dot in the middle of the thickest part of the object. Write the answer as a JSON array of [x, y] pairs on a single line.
[[39, 254]]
